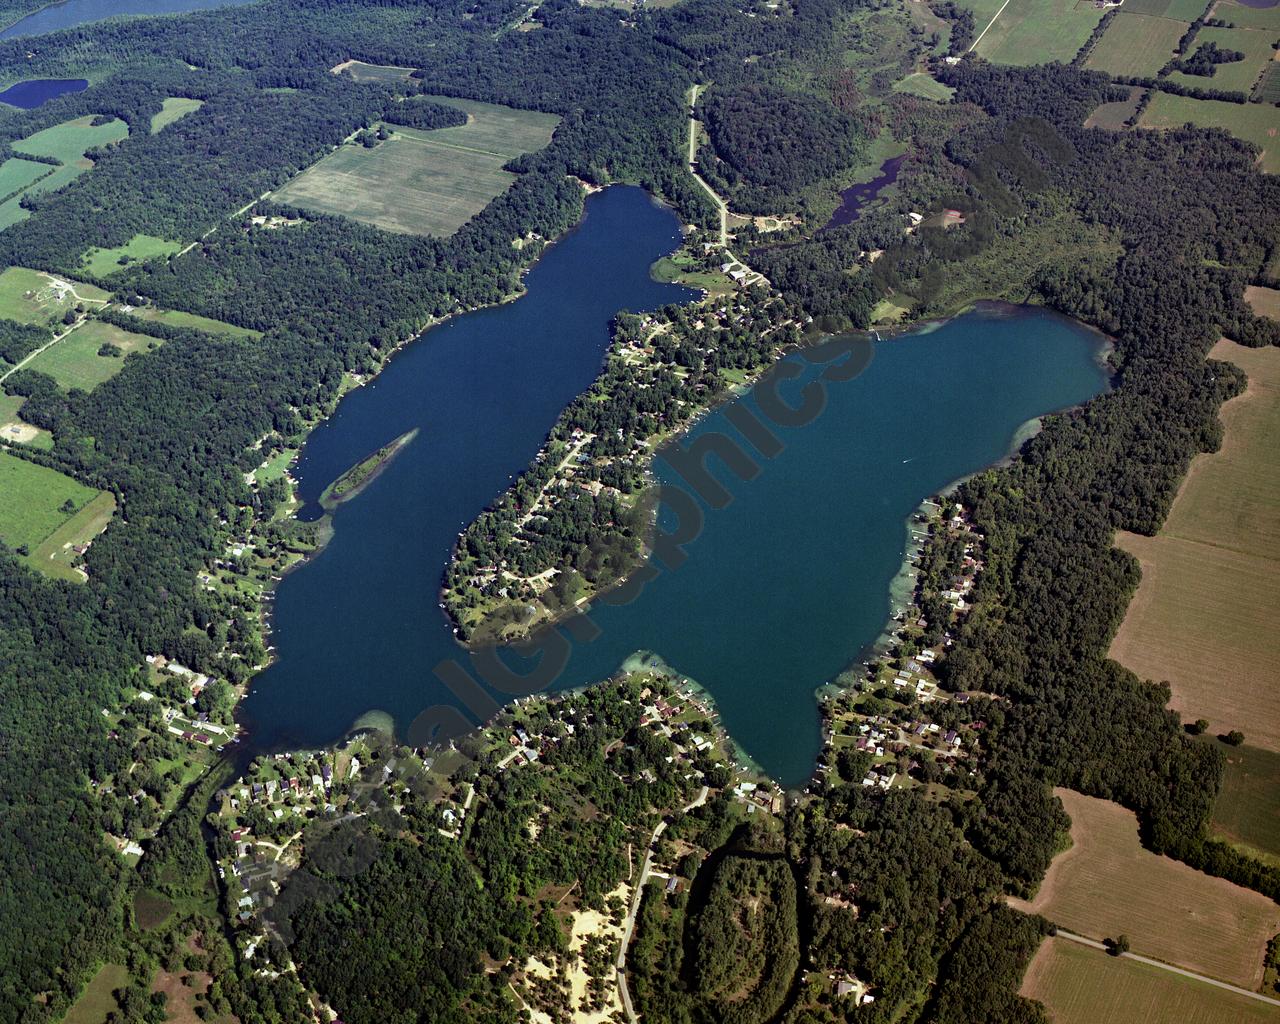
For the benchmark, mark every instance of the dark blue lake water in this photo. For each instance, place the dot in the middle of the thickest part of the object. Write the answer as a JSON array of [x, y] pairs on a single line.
[[81, 12], [30, 94], [782, 589]]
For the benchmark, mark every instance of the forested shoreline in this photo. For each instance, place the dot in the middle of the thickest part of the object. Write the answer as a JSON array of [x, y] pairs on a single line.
[[1166, 229]]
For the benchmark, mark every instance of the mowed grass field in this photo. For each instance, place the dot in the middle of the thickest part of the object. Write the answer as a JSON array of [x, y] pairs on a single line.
[[1034, 31], [74, 361], [925, 86], [1114, 115], [1240, 75], [172, 108], [14, 428], [1080, 985], [32, 502], [1247, 17], [104, 262], [67, 143], [384, 74], [1136, 44], [1253, 122], [1178, 10], [1204, 615], [97, 1001], [1247, 811], [418, 182], [177, 318], [1106, 884], [32, 297]]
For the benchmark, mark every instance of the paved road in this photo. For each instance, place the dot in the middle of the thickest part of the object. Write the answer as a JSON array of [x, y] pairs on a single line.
[[1092, 943]]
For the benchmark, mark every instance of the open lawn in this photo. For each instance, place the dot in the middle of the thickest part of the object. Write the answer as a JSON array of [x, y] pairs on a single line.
[[1035, 31], [74, 361], [1240, 75], [103, 262], [56, 553], [1178, 10], [1252, 122], [925, 86], [32, 297], [1136, 44], [32, 499], [1079, 985], [171, 109], [417, 182], [97, 1000], [1203, 617], [1114, 115], [177, 318], [66, 142], [1106, 884], [1247, 812]]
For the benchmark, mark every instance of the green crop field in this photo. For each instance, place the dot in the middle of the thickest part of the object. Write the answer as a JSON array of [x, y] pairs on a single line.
[[31, 297], [417, 182], [66, 142], [177, 318], [1247, 811], [1034, 31], [1252, 122], [16, 175], [103, 262], [1136, 44], [1080, 985], [97, 1001], [1240, 75], [171, 109], [1178, 10], [74, 361], [1268, 88], [1248, 17], [924, 86], [32, 498]]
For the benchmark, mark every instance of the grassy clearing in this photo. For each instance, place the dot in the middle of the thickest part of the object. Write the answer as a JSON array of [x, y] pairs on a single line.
[[176, 318], [383, 74], [1203, 616], [426, 183], [66, 142], [74, 361], [16, 430], [1114, 115], [1263, 301], [1106, 884], [1252, 122], [173, 108], [17, 175], [1247, 17], [1136, 44], [1035, 31], [1080, 985], [925, 86], [104, 262], [32, 501], [1238, 76], [150, 910], [98, 1000], [56, 553], [32, 297], [1178, 10], [1247, 812]]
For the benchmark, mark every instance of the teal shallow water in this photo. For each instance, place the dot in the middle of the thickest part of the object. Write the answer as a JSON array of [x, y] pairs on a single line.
[[782, 588]]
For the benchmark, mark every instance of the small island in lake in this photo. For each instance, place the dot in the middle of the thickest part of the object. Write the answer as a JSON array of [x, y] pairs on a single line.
[[364, 472]]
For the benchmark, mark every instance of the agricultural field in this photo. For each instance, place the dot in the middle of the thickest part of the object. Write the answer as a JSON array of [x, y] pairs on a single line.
[[1178, 10], [17, 175], [15, 430], [33, 297], [1247, 812], [1034, 31], [172, 108], [48, 513], [97, 1002], [1263, 301], [1268, 88], [924, 86], [1203, 615], [420, 182], [74, 361], [67, 143], [1240, 75], [1114, 115], [177, 318], [1252, 122], [1243, 16], [383, 74], [1106, 884], [1136, 44], [1080, 985], [104, 262]]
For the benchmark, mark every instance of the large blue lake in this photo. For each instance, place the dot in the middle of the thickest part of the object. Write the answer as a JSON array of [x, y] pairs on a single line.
[[81, 12], [782, 589]]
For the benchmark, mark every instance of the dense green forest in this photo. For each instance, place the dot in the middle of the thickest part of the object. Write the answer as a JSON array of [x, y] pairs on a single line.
[[1166, 230]]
